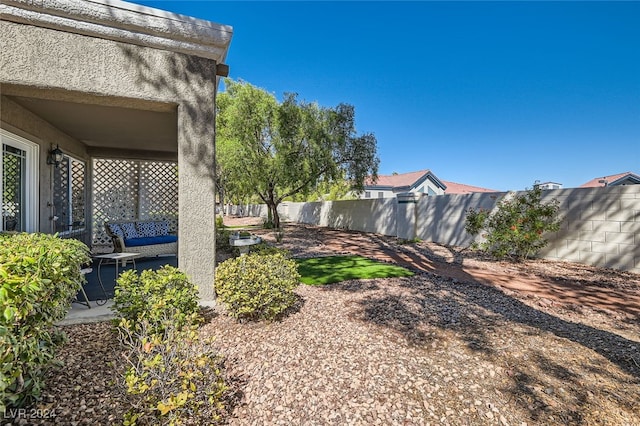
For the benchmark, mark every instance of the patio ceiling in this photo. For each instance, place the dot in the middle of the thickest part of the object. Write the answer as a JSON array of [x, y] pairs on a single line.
[[111, 130]]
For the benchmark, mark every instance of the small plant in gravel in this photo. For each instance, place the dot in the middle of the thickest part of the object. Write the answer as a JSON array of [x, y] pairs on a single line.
[[173, 378], [154, 294], [257, 286], [39, 277], [517, 226], [411, 241]]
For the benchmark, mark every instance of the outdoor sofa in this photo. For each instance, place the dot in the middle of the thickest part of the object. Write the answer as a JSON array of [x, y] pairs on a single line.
[[147, 237]]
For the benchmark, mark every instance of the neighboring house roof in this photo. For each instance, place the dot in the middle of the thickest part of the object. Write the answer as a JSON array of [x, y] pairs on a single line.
[[461, 188], [550, 183], [403, 181], [626, 178]]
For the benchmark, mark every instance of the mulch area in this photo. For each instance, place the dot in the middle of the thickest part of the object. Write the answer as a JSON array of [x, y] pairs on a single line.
[[554, 282], [464, 341]]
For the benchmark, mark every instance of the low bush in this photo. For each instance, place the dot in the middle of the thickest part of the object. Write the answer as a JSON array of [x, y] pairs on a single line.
[[222, 235], [516, 228], [39, 277], [264, 249], [257, 286], [173, 377], [152, 295]]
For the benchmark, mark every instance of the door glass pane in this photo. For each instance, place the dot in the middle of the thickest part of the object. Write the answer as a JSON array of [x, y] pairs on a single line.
[[13, 188]]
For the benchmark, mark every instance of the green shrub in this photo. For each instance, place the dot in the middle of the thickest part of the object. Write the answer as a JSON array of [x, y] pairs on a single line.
[[268, 224], [173, 378], [39, 277], [264, 249], [222, 236], [152, 295], [256, 286], [517, 226]]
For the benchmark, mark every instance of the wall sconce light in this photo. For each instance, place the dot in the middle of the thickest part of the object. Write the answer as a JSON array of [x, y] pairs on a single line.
[[55, 156], [222, 70]]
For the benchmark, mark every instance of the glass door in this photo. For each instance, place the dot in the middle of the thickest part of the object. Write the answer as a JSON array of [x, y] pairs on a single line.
[[18, 183]]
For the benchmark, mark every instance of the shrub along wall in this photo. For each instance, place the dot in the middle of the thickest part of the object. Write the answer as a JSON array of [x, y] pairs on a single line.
[[39, 276], [601, 226]]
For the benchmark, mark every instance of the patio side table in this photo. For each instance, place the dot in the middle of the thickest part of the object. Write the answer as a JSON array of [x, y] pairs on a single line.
[[119, 259]]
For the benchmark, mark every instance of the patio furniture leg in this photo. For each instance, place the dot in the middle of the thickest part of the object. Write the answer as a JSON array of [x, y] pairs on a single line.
[[86, 299]]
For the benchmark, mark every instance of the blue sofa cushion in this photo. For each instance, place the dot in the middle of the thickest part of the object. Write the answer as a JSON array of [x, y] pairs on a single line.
[[146, 229], [162, 228], [129, 229], [147, 241]]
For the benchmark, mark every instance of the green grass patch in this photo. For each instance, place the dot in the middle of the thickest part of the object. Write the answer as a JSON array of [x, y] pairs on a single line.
[[334, 269]]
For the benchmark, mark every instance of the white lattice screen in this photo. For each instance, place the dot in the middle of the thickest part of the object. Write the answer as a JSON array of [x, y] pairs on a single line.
[[126, 189]]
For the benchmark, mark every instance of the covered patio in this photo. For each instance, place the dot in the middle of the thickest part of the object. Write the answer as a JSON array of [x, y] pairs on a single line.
[[126, 94]]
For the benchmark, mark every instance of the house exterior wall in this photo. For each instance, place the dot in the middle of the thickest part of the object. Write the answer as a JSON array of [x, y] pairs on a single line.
[[426, 186], [40, 62], [22, 122], [600, 226], [375, 193]]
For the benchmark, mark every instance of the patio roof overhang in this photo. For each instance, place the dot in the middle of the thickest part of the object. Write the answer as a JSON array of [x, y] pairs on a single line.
[[108, 130], [110, 126]]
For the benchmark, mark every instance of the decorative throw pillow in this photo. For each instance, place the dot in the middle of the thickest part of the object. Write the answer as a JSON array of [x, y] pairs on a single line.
[[116, 230], [146, 229], [129, 229], [162, 228]]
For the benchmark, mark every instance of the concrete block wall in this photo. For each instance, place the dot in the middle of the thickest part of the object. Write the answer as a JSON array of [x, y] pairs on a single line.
[[600, 227], [374, 215], [441, 219]]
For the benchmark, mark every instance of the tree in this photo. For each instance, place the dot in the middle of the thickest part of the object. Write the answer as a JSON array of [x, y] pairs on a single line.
[[326, 190], [278, 149]]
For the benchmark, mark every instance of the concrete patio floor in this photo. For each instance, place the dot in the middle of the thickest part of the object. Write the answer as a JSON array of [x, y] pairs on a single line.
[[80, 313]]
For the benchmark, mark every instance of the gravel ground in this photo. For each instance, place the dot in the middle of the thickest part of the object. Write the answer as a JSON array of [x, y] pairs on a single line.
[[429, 349]]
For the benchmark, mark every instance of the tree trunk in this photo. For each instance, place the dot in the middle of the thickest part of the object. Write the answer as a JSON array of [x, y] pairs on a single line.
[[272, 206], [273, 212]]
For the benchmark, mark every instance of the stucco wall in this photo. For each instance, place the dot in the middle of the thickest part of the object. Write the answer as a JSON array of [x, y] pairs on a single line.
[[38, 62]]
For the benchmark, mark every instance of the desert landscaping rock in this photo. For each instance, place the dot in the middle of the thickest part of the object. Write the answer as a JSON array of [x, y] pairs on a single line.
[[438, 348]]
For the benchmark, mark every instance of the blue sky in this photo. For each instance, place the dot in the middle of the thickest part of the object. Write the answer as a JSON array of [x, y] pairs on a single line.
[[492, 94]]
